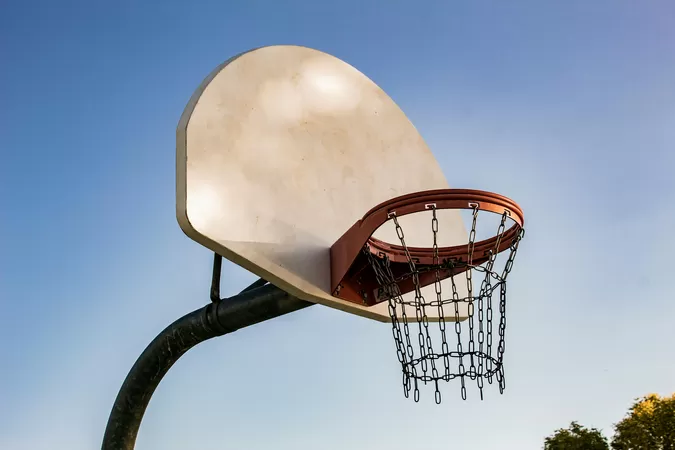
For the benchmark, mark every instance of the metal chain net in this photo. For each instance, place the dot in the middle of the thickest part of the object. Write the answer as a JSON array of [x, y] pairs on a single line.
[[474, 354]]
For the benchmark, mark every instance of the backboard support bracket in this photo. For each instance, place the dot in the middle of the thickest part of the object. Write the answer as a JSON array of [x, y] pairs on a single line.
[[215, 279]]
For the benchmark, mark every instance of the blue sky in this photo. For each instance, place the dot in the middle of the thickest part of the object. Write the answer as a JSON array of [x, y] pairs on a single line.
[[567, 107]]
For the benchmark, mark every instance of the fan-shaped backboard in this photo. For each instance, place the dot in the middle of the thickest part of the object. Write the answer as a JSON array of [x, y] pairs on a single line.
[[280, 150]]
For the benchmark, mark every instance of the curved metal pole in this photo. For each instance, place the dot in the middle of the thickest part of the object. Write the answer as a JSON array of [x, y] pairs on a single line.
[[255, 304]]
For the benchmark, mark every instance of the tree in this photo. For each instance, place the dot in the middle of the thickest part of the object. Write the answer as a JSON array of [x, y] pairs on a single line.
[[649, 425], [576, 437]]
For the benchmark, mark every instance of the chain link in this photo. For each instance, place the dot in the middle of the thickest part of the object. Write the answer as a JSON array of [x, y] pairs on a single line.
[[423, 336]]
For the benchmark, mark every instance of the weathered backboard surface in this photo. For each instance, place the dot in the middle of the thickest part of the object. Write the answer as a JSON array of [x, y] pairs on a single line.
[[280, 150]]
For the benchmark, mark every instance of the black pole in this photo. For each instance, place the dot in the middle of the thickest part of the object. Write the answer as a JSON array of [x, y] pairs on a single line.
[[254, 305]]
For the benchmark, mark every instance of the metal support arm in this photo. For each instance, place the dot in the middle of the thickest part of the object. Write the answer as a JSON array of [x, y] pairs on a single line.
[[255, 304]]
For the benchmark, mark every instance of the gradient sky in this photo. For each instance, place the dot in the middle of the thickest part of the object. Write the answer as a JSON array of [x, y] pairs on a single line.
[[567, 107]]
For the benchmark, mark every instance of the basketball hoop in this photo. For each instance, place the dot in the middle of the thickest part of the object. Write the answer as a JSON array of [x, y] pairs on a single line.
[[369, 271]]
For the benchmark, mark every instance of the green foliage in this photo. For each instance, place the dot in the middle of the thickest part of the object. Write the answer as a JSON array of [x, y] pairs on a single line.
[[649, 425], [576, 437]]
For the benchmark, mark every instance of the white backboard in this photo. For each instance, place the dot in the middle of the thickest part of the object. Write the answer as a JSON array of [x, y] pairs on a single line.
[[280, 150]]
